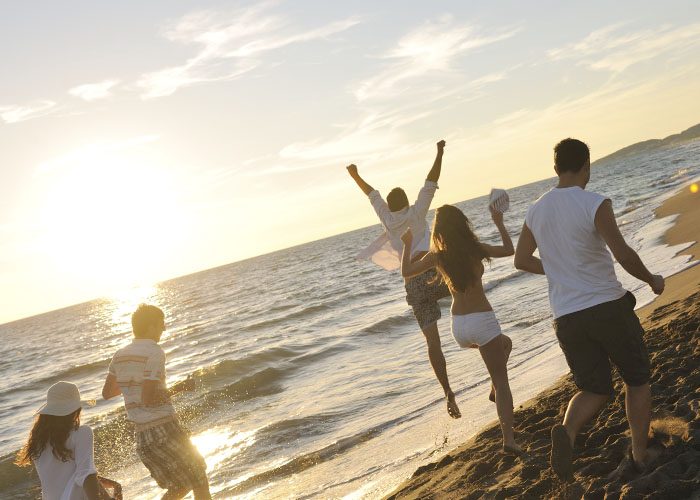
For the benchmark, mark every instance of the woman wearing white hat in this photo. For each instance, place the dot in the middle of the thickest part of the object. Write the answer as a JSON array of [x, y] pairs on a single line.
[[61, 449]]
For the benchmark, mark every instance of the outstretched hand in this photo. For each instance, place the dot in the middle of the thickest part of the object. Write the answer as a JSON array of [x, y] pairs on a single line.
[[352, 169], [407, 237], [441, 145]]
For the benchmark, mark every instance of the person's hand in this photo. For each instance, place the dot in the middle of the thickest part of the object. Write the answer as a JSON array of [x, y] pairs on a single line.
[[496, 216], [657, 284], [407, 237], [441, 145], [352, 169]]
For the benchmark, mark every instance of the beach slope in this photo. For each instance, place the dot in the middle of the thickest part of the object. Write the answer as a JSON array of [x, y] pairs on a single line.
[[479, 469]]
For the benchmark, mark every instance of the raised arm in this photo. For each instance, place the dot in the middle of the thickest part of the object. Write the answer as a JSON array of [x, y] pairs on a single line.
[[505, 250], [524, 258], [606, 225], [409, 268], [434, 173], [352, 170]]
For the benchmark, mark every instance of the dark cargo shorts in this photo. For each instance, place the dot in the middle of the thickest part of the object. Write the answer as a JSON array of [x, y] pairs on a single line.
[[423, 293], [594, 337]]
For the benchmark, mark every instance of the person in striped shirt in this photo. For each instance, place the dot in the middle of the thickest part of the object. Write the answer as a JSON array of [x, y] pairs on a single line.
[[137, 371]]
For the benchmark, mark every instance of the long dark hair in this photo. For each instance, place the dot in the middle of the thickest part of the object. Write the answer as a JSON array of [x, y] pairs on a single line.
[[49, 429], [457, 248]]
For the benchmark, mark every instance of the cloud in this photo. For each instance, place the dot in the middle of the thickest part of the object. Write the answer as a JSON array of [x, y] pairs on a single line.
[[610, 50], [35, 109], [428, 50], [230, 46], [93, 91], [380, 132]]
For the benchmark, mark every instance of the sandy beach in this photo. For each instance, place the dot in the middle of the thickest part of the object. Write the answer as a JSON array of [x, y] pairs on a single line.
[[478, 468]]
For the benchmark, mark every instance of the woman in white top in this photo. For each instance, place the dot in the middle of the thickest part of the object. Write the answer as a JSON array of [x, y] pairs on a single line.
[[61, 449], [458, 255]]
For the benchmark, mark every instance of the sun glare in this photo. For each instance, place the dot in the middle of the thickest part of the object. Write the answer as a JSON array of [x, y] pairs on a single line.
[[110, 218]]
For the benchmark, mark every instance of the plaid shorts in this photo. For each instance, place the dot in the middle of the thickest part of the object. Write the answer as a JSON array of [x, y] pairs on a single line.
[[170, 457], [422, 294]]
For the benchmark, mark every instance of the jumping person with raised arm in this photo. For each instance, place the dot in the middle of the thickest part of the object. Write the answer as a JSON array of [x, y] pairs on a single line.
[[458, 255], [594, 316], [422, 291]]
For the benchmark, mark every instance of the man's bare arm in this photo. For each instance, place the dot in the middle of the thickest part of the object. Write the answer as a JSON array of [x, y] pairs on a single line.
[[607, 227], [110, 387], [524, 258], [434, 173], [366, 188]]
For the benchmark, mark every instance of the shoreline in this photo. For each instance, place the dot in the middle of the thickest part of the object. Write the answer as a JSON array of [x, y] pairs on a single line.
[[478, 468]]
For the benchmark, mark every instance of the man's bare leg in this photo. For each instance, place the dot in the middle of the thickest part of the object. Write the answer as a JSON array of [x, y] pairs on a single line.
[[582, 408], [174, 494], [437, 361], [201, 493], [638, 408]]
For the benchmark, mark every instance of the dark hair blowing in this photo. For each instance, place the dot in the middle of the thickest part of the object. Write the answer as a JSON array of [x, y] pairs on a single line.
[[570, 155], [144, 317], [457, 248], [49, 429], [397, 199]]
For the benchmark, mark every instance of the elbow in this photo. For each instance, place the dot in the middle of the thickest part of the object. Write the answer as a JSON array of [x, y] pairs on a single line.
[[106, 393], [518, 262], [509, 252]]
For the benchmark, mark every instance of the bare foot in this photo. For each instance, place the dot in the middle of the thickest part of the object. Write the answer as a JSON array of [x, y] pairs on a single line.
[[452, 408]]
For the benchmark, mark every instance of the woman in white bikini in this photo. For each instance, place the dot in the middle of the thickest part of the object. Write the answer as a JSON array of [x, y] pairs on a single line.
[[458, 255]]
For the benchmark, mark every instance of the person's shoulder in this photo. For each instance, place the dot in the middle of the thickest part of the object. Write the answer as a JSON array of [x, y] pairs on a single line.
[[155, 349], [121, 351], [82, 432], [85, 430], [591, 196]]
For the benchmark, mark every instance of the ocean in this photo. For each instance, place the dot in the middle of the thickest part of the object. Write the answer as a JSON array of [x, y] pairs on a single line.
[[312, 378]]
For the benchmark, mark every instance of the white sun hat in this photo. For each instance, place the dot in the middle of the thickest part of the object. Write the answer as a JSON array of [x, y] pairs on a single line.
[[62, 399], [499, 200]]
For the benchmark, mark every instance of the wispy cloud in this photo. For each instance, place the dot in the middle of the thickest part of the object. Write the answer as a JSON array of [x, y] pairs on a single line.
[[18, 113], [428, 50], [612, 50], [94, 91], [379, 132], [230, 45]]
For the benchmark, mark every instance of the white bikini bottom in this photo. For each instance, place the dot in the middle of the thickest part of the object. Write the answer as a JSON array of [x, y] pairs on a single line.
[[475, 328]]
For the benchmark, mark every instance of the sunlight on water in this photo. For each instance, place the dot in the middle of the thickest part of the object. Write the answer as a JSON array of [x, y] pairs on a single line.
[[125, 302], [220, 444]]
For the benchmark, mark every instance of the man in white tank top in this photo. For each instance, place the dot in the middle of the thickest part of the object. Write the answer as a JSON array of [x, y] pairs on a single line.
[[594, 316]]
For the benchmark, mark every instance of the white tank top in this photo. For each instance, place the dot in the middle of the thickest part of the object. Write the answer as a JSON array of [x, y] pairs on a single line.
[[577, 263]]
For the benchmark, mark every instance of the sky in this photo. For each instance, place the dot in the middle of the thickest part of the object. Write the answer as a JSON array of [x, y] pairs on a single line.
[[147, 140]]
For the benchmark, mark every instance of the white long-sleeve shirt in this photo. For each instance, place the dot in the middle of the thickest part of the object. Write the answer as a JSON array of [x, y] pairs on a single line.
[[386, 250], [64, 480]]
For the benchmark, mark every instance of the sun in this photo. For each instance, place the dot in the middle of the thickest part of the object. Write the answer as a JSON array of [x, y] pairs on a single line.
[[110, 219]]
